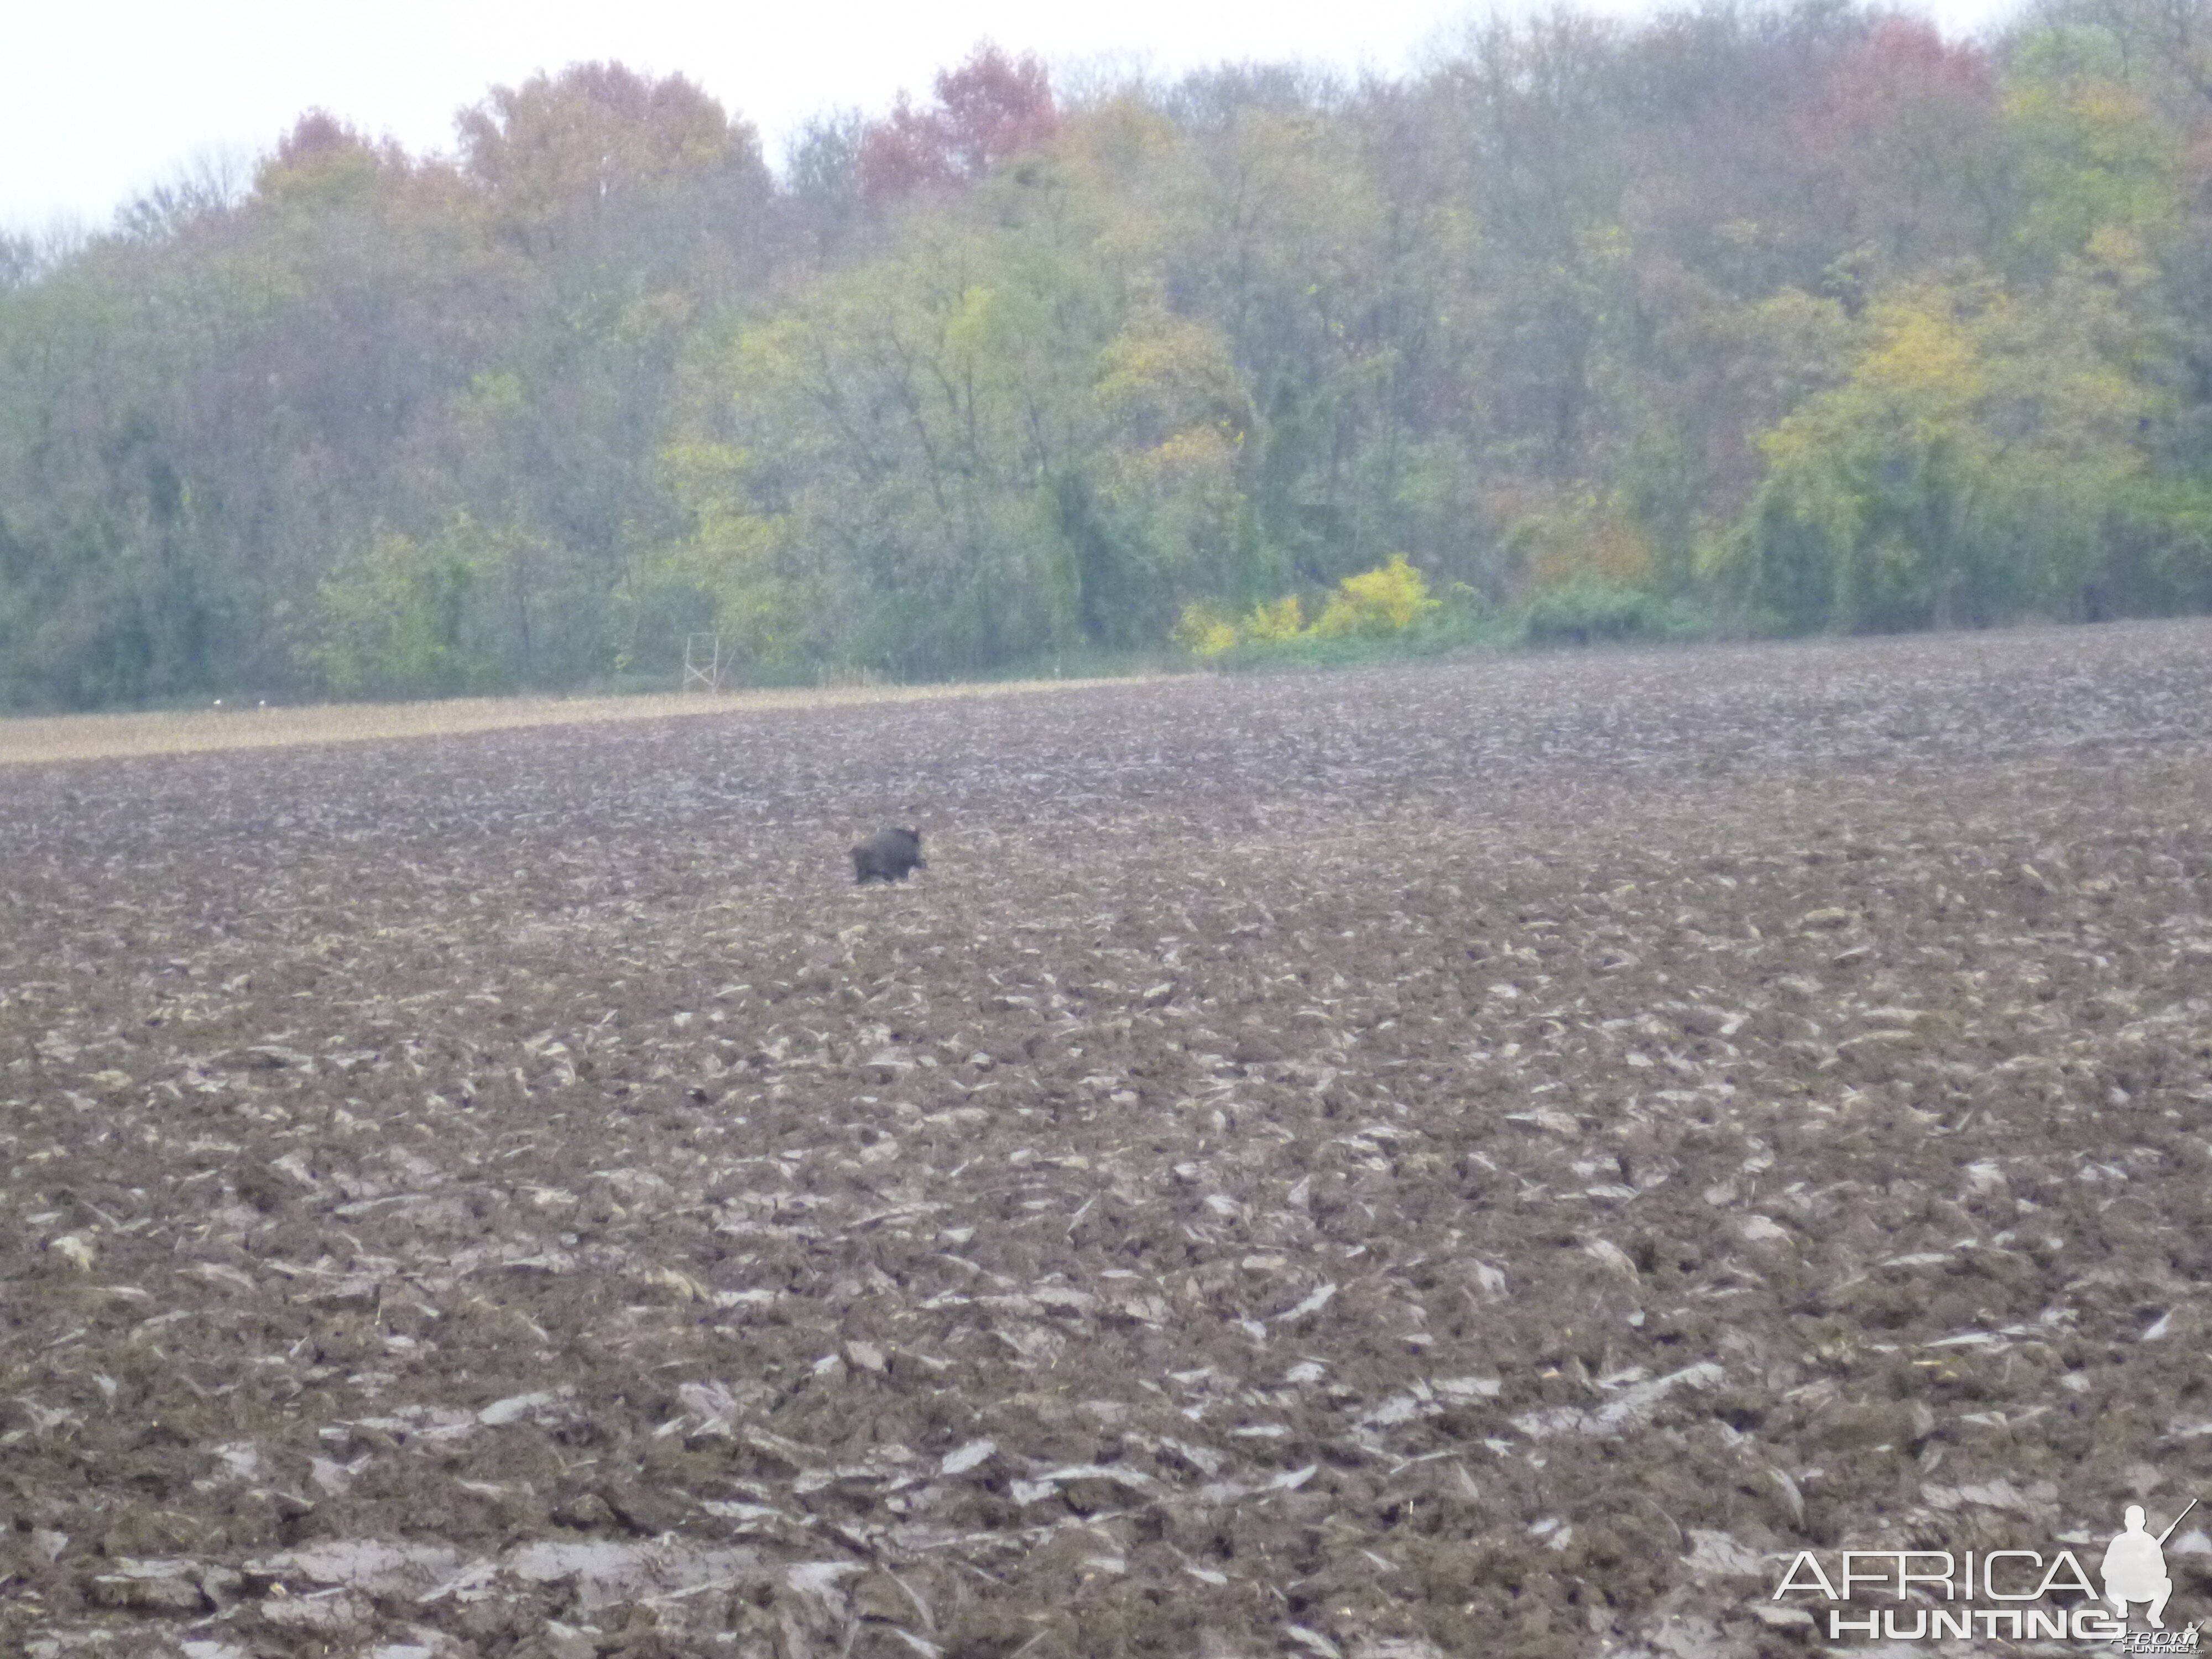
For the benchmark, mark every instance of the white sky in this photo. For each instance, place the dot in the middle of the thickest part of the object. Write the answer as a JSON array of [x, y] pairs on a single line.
[[101, 98]]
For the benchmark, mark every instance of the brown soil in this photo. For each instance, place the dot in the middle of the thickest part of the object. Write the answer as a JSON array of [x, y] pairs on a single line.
[[1478, 1159]]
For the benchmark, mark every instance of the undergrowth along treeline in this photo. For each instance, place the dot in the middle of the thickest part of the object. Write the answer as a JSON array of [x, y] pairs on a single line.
[[1765, 318]]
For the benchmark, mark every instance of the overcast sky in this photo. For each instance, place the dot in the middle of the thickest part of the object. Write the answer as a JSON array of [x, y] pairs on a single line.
[[101, 98]]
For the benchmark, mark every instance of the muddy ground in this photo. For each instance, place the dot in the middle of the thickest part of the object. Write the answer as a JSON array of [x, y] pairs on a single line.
[[1478, 1159]]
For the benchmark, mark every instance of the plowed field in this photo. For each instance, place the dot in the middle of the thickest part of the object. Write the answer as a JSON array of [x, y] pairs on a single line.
[[1466, 1160]]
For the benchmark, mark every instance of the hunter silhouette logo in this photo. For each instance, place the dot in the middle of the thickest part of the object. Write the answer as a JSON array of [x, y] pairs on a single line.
[[1929, 1594], [2135, 1567]]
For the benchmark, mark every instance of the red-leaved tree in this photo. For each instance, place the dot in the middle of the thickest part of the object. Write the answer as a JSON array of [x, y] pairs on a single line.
[[991, 107]]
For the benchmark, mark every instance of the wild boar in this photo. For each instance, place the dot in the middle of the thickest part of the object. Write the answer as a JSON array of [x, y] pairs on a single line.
[[888, 855]]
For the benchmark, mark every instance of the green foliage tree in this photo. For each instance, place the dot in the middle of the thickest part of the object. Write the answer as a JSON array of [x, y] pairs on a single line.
[[1806, 312], [399, 619], [1962, 474]]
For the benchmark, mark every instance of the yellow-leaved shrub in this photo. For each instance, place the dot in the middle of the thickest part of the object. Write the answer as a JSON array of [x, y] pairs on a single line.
[[1203, 631], [1283, 620], [1380, 601], [1391, 597]]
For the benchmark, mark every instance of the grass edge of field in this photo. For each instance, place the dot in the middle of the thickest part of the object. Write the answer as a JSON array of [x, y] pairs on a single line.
[[30, 740]]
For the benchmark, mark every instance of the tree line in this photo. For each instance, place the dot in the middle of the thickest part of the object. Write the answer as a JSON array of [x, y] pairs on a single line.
[[1804, 316]]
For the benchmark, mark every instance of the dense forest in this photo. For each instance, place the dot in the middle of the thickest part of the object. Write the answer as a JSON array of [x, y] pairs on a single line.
[[1806, 318]]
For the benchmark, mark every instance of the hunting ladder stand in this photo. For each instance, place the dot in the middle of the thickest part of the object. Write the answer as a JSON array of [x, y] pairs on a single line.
[[704, 662]]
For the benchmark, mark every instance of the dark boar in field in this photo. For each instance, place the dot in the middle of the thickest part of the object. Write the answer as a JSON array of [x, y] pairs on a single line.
[[888, 855]]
